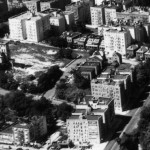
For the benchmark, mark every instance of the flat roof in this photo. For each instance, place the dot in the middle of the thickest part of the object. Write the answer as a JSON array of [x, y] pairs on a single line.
[[93, 117], [99, 110], [105, 82], [80, 111], [23, 125], [133, 47], [74, 117], [100, 100], [120, 76], [91, 63], [28, 16], [86, 69]]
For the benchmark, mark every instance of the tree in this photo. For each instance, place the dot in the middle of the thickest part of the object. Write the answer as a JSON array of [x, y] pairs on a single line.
[[47, 80], [64, 111], [61, 89], [80, 81], [141, 72], [144, 128]]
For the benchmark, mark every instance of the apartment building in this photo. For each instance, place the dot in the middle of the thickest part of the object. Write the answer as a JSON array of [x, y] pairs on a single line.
[[14, 4], [6, 136], [147, 55], [98, 2], [70, 37], [104, 107], [97, 15], [110, 89], [135, 15], [58, 23], [131, 50], [32, 5], [78, 10], [140, 53], [24, 132], [91, 120], [80, 42], [82, 130], [93, 42], [28, 26], [17, 26], [44, 5], [116, 40], [110, 14], [69, 17], [147, 28]]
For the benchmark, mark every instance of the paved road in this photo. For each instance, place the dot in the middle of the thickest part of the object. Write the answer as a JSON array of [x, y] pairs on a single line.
[[49, 94], [130, 126], [113, 145]]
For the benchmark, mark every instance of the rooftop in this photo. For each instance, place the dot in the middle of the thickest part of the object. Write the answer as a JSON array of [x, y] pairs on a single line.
[[133, 47], [71, 34], [28, 15], [93, 117], [22, 125], [86, 69], [91, 64], [99, 110], [106, 82], [99, 100], [74, 117], [80, 111], [143, 49]]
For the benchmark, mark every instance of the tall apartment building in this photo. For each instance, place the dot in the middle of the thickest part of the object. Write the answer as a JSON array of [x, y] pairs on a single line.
[[26, 132], [57, 22], [110, 14], [78, 10], [36, 27], [134, 15], [97, 15], [69, 17], [33, 5], [116, 40], [28, 26], [22, 133], [98, 2], [44, 5], [17, 26], [110, 89], [84, 129], [14, 4]]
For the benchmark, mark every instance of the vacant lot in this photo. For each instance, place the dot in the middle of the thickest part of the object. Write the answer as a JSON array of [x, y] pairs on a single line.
[[31, 58]]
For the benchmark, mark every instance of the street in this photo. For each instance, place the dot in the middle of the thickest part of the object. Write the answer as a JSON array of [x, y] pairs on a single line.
[[113, 145]]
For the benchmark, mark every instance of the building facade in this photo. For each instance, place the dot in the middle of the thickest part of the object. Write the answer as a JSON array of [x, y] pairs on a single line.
[[29, 26], [116, 40], [97, 15], [84, 129], [58, 23], [110, 14], [109, 89], [33, 5]]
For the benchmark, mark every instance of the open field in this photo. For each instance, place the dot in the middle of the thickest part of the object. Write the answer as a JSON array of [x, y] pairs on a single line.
[[31, 58]]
